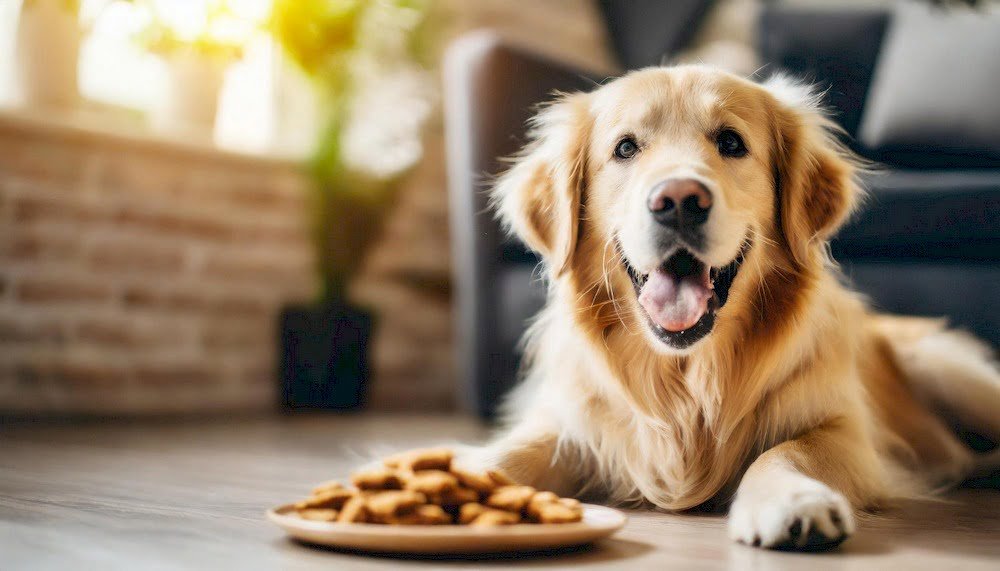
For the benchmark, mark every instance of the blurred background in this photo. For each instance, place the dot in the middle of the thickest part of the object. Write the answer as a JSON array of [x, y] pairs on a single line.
[[220, 207]]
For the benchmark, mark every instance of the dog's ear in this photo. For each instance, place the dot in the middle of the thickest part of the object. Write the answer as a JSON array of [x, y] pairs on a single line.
[[538, 198], [815, 174]]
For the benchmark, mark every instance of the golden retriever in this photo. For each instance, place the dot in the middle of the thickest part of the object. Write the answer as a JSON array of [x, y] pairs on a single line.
[[697, 346]]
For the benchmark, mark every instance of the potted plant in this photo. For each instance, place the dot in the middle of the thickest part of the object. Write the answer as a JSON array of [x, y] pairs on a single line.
[[47, 50], [351, 50]]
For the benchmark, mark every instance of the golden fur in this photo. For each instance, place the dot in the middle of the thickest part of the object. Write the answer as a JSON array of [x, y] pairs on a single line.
[[798, 402]]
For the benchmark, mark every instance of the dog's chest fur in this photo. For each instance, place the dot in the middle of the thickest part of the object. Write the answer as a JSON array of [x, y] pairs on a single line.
[[671, 458]]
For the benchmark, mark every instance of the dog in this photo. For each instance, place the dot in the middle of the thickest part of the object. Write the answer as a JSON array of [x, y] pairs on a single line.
[[698, 346]]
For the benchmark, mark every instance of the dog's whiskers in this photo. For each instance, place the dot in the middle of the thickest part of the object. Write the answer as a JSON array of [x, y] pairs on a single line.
[[619, 258]]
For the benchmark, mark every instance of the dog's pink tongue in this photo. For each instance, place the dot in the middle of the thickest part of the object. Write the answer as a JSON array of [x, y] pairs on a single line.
[[675, 304]]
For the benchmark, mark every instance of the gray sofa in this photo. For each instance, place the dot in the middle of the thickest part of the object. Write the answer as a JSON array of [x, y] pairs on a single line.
[[926, 243]]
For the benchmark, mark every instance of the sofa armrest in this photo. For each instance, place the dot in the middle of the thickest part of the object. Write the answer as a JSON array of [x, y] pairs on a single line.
[[490, 91]]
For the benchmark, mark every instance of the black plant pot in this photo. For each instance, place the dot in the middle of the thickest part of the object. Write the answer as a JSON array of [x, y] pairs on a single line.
[[324, 357]]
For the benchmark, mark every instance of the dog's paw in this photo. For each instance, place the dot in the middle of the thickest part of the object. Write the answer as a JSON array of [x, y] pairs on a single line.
[[805, 515]]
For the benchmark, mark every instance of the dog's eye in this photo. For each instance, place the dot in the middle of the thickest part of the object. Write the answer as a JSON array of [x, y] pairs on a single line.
[[730, 144], [626, 148]]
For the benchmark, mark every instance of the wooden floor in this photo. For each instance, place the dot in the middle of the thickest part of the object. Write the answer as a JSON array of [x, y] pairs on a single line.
[[192, 496]]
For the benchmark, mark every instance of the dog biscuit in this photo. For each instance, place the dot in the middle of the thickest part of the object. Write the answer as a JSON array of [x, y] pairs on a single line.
[[394, 502], [481, 483], [333, 498], [354, 511], [469, 512], [456, 497], [496, 517], [510, 498], [558, 512], [422, 459], [377, 479], [546, 507], [431, 482], [327, 486], [427, 514]]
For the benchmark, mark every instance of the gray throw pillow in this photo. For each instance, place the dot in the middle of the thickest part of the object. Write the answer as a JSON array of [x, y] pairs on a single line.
[[937, 82]]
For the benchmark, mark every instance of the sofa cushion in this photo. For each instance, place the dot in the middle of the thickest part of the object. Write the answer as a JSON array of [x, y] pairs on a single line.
[[935, 89], [832, 47], [950, 214]]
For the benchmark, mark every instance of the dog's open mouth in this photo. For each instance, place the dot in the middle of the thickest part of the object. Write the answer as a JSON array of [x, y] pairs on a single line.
[[681, 297]]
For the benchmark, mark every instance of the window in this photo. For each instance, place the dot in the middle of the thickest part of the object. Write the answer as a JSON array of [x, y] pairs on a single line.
[[264, 105]]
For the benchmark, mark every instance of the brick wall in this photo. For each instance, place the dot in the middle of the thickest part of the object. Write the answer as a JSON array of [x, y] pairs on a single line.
[[142, 277]]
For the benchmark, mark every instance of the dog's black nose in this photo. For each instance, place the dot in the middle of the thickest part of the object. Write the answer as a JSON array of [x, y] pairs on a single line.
[[680, 203]]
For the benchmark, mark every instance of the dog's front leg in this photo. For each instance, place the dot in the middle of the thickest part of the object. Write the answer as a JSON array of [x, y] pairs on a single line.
[[528, 454], [801, 494]]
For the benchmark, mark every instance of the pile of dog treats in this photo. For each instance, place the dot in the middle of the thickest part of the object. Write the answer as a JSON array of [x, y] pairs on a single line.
[[422, 487]]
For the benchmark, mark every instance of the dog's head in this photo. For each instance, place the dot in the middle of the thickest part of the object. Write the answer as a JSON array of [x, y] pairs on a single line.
[[671, 179]]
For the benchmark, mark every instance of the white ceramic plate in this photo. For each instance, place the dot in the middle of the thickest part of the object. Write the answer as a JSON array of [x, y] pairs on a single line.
[[598, 522]]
